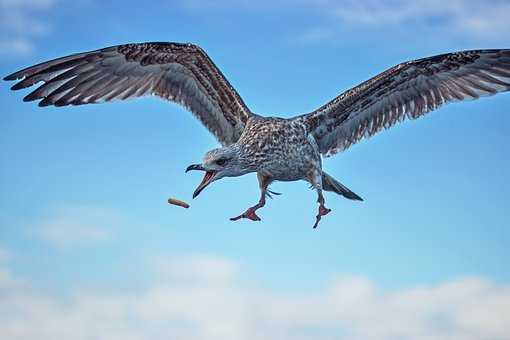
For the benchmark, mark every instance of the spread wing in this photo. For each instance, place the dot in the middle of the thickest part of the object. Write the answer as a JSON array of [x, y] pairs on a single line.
[[408, 90], [182, 73]]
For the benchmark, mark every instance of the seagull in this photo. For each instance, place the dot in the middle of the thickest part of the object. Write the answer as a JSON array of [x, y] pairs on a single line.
[[277, 149]]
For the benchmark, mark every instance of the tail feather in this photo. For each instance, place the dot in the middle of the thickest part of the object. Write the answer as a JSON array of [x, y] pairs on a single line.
[[331, 184]]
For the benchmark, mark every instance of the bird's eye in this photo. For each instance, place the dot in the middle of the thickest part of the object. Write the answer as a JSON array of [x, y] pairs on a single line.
[[221, 161]]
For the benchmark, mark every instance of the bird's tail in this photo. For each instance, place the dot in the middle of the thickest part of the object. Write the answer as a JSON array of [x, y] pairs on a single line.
[[331, 184]]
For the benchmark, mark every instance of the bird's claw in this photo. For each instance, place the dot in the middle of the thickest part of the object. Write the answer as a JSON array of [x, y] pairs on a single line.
[[323, 211], [249, 214], [269, 193]]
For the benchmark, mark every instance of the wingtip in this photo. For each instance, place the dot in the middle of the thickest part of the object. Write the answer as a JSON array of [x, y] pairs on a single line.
[[15, 76], [17, 86], [44, 103], [12, 76], [30, 97], [353, 196], [356, 198]]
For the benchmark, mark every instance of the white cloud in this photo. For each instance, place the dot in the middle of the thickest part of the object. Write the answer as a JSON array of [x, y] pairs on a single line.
[[7, 280], [77, 226], [5, 255], [16, 46], [466, 20], [194, 268], [19, 25], [188, 303], [467, 16], [316, 35], [469, 20]]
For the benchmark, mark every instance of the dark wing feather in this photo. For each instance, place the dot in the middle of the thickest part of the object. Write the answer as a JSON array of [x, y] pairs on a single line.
[[408, 90], [182, 73]]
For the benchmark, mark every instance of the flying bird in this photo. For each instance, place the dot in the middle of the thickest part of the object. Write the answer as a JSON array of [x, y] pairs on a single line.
[[277, 149]]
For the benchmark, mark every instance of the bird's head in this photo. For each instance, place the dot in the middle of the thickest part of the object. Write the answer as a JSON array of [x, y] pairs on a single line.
[[219, 163]]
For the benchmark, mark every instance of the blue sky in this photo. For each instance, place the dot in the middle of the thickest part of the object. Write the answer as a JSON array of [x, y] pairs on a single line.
[[89, 246]]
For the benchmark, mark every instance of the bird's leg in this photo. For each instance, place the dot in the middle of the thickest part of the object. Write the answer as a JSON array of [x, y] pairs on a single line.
[[250, 212], [315, 179], [323, 211]]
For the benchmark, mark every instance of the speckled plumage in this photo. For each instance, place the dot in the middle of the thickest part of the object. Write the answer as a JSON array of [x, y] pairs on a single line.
[[276, 149], [279, 148]]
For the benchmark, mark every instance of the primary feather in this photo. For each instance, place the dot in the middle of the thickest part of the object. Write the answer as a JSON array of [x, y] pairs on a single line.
[[408, 90], [182, 73]]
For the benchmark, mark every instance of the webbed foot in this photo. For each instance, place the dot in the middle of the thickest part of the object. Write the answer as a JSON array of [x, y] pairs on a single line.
[[249, 214], [323, 211]]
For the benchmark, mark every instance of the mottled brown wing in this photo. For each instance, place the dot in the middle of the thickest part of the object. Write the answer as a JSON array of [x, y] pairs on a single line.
[[408, 90], [182, 73]]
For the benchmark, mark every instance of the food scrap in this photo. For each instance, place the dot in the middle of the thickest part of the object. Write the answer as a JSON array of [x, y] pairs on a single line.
[[180, 203]]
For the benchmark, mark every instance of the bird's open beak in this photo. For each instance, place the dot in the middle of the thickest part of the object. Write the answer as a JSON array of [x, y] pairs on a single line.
[[208, 177], [195, 167]]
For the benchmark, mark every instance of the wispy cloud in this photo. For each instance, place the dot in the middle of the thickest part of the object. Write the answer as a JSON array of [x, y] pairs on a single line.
[[194, 268], [16, 46], [479, 21], [77, 226], [7, 280], [19, 25], [187, 304], [5, 255], [478, 17], [469, 20]]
